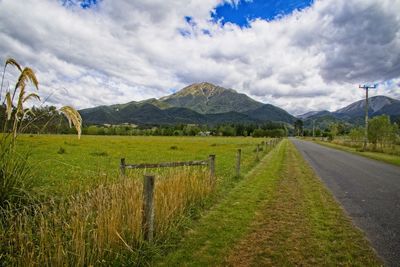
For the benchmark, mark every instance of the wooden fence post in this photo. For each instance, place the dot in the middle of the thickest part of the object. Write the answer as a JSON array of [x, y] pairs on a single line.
[[238, 156], [257, 150], [122, 167], [148, 208], [212, 168]]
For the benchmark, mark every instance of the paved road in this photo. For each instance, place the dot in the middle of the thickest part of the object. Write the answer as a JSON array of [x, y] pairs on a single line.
[[367, 189]]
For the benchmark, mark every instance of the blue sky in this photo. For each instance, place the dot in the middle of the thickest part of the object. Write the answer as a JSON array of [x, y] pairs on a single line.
[[115, 51], [244, 11]]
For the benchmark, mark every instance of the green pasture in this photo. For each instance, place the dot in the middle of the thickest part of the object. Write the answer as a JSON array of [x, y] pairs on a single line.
[[62, 163]]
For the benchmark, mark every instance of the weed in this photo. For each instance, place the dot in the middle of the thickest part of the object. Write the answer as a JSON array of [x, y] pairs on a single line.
[[61, 150]]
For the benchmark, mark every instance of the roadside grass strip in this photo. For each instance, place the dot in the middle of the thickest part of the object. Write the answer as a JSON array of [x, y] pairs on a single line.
[[302, 225], [388, 158], [280, 214], [214, 234]]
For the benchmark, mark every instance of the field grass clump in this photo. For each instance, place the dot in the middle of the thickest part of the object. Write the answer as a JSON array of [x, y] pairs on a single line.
[[99, 154], [101, 226], [61, 150]]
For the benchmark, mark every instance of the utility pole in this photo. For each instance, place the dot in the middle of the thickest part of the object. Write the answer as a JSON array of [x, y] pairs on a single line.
[[366, 87], [313, 129]]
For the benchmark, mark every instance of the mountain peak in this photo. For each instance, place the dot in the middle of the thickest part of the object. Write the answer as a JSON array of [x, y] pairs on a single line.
[[200, 89], [209, 98]]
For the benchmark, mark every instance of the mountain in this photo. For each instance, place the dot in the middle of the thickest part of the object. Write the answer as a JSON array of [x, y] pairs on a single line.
[[355, 112], [313, 114], [206, 98], [392, 109], [268, 112], [200, 103], [150, 114], [375, 105]]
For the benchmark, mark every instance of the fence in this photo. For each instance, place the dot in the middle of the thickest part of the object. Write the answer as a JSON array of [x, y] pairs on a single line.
[[208, 162], [149, 180]]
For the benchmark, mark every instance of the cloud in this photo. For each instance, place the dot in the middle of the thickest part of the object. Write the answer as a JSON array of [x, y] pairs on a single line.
[[119, 51]]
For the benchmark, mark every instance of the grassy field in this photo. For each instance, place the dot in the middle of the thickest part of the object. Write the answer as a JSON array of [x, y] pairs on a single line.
[[385, 157], [89, 215], [279, 215], [65, 164]]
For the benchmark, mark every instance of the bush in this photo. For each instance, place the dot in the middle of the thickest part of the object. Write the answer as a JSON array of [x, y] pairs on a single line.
[[330, 136]]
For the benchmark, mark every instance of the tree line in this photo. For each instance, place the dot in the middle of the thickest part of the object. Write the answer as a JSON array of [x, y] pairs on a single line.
[[270, 129], [48, 120], [382, 132]]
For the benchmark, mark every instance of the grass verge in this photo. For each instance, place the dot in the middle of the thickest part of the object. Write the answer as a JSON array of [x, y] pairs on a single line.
[[208, 241], [302, 225], [391, 159], [279, 215]]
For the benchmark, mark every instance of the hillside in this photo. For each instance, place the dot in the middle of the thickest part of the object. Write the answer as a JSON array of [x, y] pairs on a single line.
[[269, 112], [207, 98], [201, 103], [376, 105], [354, 113]]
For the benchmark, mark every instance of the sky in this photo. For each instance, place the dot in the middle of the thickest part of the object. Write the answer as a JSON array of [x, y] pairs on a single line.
[[300, 55]]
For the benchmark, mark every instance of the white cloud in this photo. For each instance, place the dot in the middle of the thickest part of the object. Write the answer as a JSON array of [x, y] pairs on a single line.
[[121, 51]]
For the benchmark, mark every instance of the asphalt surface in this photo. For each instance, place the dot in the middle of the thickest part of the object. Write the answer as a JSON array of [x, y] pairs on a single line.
[[368, 190]]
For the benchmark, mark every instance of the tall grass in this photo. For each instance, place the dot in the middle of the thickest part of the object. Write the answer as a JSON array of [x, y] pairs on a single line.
[[101, 226], [15, 175], [15, 172]]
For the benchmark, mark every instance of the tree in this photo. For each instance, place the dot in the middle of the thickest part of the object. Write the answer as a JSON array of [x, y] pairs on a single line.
[[334, 130], [356, 135], [298, 127], [381, 131]]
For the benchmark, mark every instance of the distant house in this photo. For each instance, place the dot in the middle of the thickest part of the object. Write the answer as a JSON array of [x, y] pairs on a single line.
[[204, 134]]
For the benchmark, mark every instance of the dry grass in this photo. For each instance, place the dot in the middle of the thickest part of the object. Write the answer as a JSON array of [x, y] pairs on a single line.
[[102, 226]]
